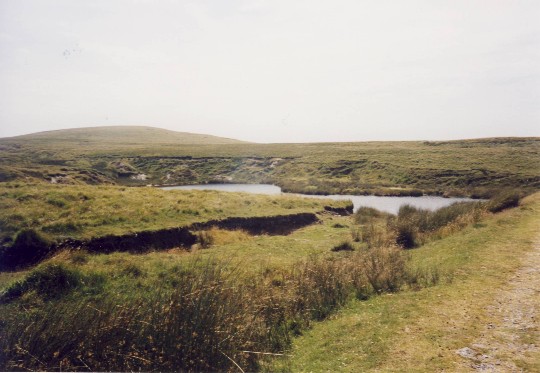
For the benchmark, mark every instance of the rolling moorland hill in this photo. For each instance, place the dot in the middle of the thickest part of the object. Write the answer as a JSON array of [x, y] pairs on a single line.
[[115, 135], [145, 155]]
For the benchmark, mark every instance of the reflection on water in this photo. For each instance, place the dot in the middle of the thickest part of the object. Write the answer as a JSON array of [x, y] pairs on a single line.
[[388, 204]]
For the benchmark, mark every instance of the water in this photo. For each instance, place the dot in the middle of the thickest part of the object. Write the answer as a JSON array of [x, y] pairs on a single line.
[[392, 204], [387, 204]]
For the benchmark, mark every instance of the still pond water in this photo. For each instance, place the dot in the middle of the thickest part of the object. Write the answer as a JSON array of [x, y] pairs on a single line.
[[388, 204]]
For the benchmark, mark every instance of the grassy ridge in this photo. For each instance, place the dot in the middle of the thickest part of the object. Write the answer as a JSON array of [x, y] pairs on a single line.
[[457, 167]]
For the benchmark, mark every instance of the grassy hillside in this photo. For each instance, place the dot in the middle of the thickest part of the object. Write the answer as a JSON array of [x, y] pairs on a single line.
[[144, 155], [102, 137]]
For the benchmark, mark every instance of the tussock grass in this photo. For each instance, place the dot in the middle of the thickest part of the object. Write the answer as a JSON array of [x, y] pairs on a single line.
[[414, 226], [29, 247], [52, 281], [217, 236], [365, 215], [344, 246], [202, 315]]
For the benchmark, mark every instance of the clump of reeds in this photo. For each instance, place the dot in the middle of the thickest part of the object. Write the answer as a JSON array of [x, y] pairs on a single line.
[[365, 215], [213, 319], [413, 226]]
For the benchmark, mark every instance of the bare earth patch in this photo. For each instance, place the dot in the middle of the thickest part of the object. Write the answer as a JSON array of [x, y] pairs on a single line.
[[510, 342]]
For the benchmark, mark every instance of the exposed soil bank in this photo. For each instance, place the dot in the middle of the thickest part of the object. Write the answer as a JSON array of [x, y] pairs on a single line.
[[135, 242], [31, 252], [344, 211], [273, 225]]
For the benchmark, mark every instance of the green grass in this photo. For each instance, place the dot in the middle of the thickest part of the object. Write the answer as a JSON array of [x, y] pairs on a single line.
[[65, 211], [255, 254], [129, 136], [257, 291], [284, 275], [81, 306], [113, 155], [421, 330]]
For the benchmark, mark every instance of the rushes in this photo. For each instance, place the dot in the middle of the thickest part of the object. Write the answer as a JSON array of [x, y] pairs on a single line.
[[413, 226], [207, 321]]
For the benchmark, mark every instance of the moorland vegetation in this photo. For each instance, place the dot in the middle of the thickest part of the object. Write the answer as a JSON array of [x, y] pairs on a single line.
[[234, 301], [349, 288], [145, 155]]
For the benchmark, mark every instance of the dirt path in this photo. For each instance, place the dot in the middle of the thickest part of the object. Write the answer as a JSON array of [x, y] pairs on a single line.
[[512, 338]]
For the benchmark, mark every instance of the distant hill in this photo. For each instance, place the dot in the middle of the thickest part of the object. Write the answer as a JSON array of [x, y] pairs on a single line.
[[145, 155], [125, 135]]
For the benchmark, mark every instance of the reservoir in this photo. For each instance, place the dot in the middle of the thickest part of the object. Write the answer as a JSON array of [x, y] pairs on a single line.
[[387, 204]]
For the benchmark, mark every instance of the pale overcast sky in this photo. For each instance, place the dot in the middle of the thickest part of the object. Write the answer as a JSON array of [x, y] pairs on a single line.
[[273, 70]]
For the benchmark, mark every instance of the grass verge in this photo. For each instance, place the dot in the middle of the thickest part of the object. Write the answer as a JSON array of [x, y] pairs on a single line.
[[421, 330]]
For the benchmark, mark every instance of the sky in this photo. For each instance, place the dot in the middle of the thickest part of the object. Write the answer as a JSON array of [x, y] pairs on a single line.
[[274, 70]]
